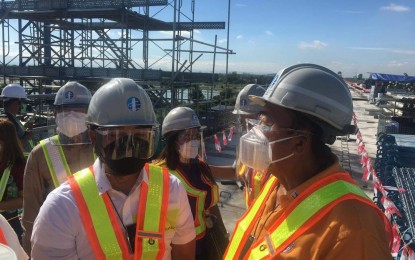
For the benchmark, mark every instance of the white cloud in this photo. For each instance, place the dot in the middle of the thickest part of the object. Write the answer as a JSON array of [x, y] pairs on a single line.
[[239, 37], [409, 52], [223, 40], [269, 33], [395, 63], [316, 45], [395, 8], [399, 51]]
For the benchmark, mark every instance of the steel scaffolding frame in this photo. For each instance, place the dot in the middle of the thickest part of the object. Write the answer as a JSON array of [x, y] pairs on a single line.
[[93, 40]]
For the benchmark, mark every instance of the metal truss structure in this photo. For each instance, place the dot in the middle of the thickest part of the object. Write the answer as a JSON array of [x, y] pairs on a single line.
[[94, 40]]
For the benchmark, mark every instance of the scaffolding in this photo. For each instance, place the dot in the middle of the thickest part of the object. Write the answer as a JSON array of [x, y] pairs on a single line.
[[47, 42]]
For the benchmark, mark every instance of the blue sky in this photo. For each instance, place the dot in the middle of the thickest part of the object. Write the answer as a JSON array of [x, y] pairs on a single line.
[[344, 35], [349, 36]]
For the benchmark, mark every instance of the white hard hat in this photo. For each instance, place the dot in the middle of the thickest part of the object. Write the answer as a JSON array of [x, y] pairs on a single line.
[[244, 105], [315, 91], [121, 102], [179, 118], [12, 91], [72, 94]]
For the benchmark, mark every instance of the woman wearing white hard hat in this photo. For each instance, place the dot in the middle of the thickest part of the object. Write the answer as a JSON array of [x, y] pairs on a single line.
[[181, 131]]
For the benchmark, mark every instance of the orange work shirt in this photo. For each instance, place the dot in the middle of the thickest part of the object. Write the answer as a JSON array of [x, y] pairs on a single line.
[[352, 230]]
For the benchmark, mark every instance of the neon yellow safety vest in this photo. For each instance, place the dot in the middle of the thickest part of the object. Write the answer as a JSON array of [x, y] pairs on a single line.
[[200, 224], [55, 158], [101, 222], [4, 180], [306, 210]]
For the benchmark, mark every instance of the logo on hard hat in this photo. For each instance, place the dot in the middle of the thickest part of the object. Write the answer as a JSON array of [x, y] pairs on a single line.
[[69, 95], [243, 102], [133, 104], [195, 120]]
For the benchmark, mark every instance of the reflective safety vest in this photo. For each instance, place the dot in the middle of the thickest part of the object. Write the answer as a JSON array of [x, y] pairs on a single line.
[[55, 158], [199, 219], [102, 226], [254, 182], [305, 211], [4, 180], [3, 239]]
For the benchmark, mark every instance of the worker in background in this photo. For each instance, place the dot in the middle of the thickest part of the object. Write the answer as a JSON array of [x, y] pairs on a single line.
[[12, 163], [249, 114], [14, 96], [310, 208], [182, 133], [57, 157], [120, 207], [10, 247]]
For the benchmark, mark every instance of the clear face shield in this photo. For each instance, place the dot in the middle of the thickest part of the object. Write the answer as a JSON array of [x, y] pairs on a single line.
[[191, 143], [71, 126], [115, 143]]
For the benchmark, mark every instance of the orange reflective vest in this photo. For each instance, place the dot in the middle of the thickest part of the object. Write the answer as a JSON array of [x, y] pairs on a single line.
[[305, 211], [254, 182], [199, 219], [3, 239], [102, 226]]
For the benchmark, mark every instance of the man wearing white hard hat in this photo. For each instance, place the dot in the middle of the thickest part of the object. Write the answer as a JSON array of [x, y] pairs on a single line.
[[13, 96], [57, 157], [310, 207], [120, 207]]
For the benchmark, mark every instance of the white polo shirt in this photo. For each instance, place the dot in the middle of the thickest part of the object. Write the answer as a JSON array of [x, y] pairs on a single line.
[[58, 232]]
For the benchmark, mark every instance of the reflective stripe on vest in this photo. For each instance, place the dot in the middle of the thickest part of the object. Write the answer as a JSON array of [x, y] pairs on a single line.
[[242, 169], [153, 206], [55, 158], [258, 181], [308, 208], [254, 182], [4, 180], [305, 211], [246, 223], [3, 239], [200, 196], [101, 224]]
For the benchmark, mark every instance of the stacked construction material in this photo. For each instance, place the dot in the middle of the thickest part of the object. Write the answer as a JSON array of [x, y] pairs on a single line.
[[395, 170]]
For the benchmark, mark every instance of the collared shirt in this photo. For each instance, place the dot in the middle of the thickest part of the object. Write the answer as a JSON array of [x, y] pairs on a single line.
[[38, 181], [351, 230], [58, 232]]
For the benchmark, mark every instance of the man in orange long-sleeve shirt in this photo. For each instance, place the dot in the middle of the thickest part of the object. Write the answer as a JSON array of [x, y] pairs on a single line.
[[310, 208]]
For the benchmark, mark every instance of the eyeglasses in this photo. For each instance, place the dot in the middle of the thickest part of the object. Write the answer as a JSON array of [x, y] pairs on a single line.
[[275, 133]]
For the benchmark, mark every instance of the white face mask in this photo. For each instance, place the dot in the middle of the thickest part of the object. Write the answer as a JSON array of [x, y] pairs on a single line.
[[71, 123], [255, 150], [189, 150]]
